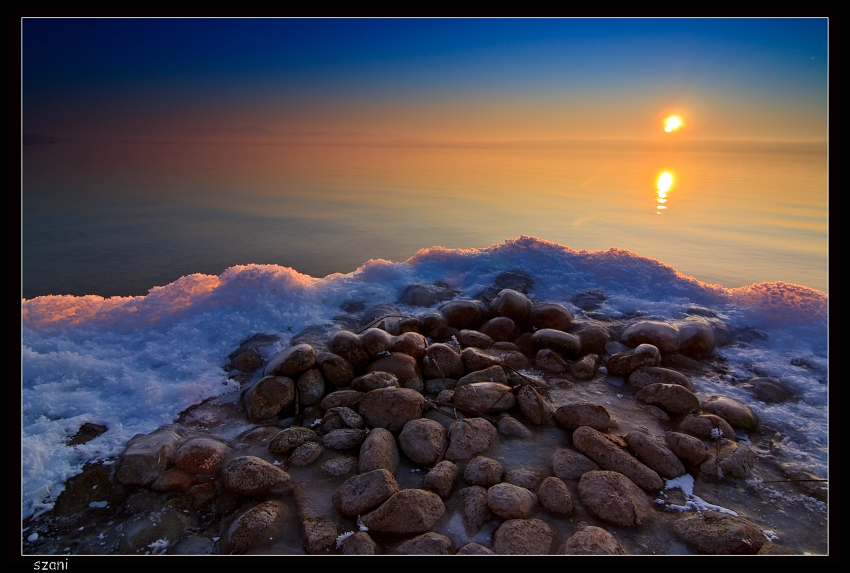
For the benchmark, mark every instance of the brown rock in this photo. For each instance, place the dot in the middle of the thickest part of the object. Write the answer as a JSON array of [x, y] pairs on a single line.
[[562, 342], [510, 501], [358, 544], [534, 406], [379, 451], [686, 447], [461, 314], [474, 339], [475, 506], [476, 359], [610, 456], [672, 398], [663, 336], [408, 511], [411, 343], [483, 471], [363, 492], [555, 497], [592, 540], [200, 455], [441, 478], [391, 408], [253, 476], [441, 361], [430, 543], [267, 397], [701, 426], [291, 361], [514, 305], [624, 363], [550, 361], [335, 369], [148, 455], [491, 374], [614, 498], [523, 537], [485, 397], [572, 416], [738, 414], [551, 315], [468, 437], [311, 387], [655, 454], [646, 375], [423, 441], [349, 346], [375, 341], [696, 337], [720, 534], [290, 438], [258, 526], [569, 464], [403, 366]]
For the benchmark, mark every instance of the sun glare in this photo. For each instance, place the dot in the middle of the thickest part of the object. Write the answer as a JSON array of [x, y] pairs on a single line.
[[672, 123], [665, 181]]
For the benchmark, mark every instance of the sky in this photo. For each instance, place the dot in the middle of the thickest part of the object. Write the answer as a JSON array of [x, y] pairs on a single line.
[[307, 80]]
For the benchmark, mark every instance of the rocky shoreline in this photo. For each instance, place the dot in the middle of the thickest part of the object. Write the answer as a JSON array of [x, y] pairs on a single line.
[[498, 425]]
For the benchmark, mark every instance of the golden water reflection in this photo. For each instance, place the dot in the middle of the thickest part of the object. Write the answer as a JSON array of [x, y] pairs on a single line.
[[663, 185]]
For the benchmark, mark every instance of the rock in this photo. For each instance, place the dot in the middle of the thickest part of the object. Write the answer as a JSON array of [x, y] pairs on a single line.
[[672, 398], [404, 367], [647, 375], [412, 344], [475, 506], [550, 361], [589, 300], [474, 549], [484, 397], [339, 466], [441, 361], [379, 451], [614, 498], [258, 526], [200, 455], [492, 374], [267, 397], [514, 305], [344, 439], [738, 414], [340, 418], [148, 455], [572, 416], [391, 408], [358, 544], [686, 447], [523, 537], [139, 534], [248, 361], [252, 476], [427, 544], [720, 533], [418, 295], [592, 540], [483, 471], [468, 437], [475, 359], [624, 363], [701, 426], [569, 464], [696, 337], [534, 406], [290, 438], [663, 336], [736, 460], [500, 329], [347, 398], [474, 339], [593, 337], [349, 346], [586, 367], [462, 314], [441, 478], [436, 386], [609, 456], [311, 387], [364, 492], [555, 497], [551, 315], [510, 501], [306, 454], [655, 454], [770, 390], [335, 369], [423, 441], [408, 511], [291, 361], [86, 433], [562, 342], [375, 341], [770, 548], [512, 427]]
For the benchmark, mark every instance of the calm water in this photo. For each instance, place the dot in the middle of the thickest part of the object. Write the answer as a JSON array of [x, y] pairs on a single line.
[[120, 218]]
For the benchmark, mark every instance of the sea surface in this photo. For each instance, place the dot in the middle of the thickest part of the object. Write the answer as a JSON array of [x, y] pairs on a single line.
[[119, 218]]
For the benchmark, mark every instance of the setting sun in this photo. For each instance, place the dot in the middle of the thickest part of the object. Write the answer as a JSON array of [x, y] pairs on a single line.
[[672, 123]]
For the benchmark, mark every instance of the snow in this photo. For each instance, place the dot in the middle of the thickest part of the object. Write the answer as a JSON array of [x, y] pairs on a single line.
[[134, 363]]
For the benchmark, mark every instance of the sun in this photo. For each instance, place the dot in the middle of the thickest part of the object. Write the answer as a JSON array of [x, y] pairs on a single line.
[[672, 123]]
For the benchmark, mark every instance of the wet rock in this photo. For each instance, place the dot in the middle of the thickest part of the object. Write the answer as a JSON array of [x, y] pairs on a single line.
[[339, 466], [86, 433], [418, 295], [139, 534], [586, 367], [736, 460], [550, 361], [512, 427], [647, 375], [468, 437], [290, 438], [344, 439], [523, 537], [148, 455], [410, 343], [441, 478], [374, 380], [614, 498], [720, 533], [770, 390], [364, 492], [474, 339], [593, 337], [358, 544], [174, 479], [252, 476], [555, 497], [663, 336], [474, 549], [485, 397], [200, 455], [375, 341], [427, 544], [569, 464], [510, 501], [404, 367], [311, 387], [335, 369], [475, 507], [534, 406], [528, 479], [686, 447], [342, 398], [610, 456], [441, 361], [306, 454], [291, 361], [491, 374], [349, 346], [592, 540], [551, 315], [696, 337], [475, 359], [500, 329], [483, 471], [672, 398], [340, 418], [379, 451], [391, 408], [770, 548], [589, 300], [703, 426], [562, 342], [572, 416], [267, 397], [655, 454], [408, 511], [423, 441], [514, 305], [258, 526], [626, 362], [738, 414], [462, 314]]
